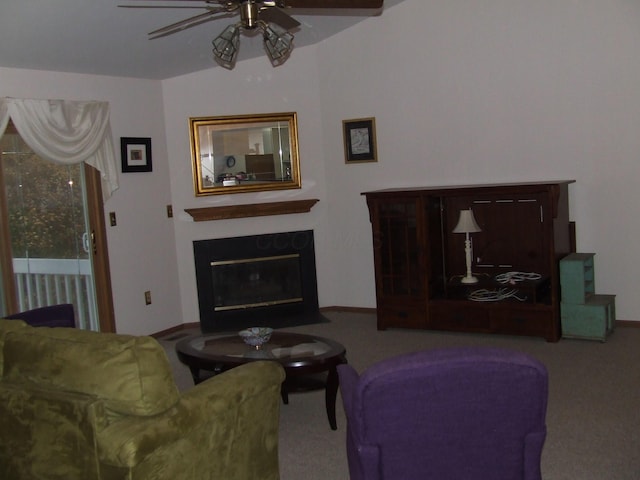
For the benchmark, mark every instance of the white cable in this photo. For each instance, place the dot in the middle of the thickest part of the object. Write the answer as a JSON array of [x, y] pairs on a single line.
[[514, 277], [484, 295]]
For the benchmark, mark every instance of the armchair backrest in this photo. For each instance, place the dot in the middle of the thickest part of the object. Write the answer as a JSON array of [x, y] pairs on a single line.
[[130, 374], [458, 413]]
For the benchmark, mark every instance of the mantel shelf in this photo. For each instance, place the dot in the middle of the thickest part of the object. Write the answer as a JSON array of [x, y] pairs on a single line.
[[206, 214]]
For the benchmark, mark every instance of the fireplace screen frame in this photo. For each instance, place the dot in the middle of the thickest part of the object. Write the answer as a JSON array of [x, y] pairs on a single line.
[[266, 299], [206, 252]]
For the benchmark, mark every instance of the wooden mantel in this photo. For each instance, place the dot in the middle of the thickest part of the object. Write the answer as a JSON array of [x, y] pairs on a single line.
[[205, 214]]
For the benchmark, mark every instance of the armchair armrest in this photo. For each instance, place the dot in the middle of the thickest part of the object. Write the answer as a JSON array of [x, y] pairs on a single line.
[[225, 427], [348, 384]]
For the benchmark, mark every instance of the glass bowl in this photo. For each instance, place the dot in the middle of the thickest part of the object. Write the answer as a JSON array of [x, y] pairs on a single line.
[[256, 336]]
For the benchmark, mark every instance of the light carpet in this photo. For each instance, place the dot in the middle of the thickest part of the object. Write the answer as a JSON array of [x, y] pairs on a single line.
[[593, 417]]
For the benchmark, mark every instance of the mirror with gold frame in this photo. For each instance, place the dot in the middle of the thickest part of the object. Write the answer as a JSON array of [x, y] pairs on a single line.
[[245, 153]]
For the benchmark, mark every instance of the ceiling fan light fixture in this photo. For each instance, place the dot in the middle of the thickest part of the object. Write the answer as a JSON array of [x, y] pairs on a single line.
[[226, 45], [249, 12], [265, 16], [278, 43]]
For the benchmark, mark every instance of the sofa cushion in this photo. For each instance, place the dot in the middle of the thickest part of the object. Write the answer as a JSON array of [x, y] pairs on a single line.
[[130, 374]]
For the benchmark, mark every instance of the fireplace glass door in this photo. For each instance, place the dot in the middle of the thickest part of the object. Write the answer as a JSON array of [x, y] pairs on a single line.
[[256, 282]]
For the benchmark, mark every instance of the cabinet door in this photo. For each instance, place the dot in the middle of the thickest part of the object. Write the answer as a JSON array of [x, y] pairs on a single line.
[[516, 320], [397, 249]]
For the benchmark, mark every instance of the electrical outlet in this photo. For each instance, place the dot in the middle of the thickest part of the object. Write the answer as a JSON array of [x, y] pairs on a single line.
[[112, 218], [147, 297], [169, 211]]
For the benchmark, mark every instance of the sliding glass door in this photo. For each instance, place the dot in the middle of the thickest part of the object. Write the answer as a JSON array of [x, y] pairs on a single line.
[[45, 219]]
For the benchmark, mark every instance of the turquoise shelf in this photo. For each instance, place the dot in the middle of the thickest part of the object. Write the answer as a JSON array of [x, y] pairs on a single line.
[[583, 313]]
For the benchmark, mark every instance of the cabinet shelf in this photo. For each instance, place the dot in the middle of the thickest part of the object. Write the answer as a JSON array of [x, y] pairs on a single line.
[[528, 291]]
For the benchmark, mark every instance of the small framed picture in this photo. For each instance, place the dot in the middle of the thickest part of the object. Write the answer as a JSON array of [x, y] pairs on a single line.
[[360, 140], [136, 154]]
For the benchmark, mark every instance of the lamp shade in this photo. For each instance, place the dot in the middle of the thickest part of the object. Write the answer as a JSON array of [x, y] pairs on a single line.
[[467, 223], [278, 43], [225, 46]]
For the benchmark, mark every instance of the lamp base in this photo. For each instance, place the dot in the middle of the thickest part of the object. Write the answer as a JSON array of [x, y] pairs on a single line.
[[469, 280]]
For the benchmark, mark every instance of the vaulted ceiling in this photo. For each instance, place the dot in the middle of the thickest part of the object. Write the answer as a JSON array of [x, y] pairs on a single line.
[[97, 37]]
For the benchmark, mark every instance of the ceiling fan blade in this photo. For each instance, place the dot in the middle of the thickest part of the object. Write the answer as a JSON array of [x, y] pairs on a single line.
[[277, 16], [160, 6], [353, 4], [187, 23], [206, 3]]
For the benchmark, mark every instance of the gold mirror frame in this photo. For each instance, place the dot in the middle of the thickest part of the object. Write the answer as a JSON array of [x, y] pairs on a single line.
[[244, 153]]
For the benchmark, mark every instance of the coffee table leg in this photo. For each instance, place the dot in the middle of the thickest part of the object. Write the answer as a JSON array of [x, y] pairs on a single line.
[[195, 374], [331, 393], [284, 394]]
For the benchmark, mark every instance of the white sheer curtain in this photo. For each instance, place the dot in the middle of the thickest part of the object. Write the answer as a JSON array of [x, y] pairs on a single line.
[[66, 131]]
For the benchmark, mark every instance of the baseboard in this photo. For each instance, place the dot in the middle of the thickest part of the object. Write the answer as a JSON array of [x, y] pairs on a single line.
[[348, 309], [628, 323], [337, 308], [177, 328]]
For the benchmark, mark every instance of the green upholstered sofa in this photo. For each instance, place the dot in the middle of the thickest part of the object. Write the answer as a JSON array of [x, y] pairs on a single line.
[[84, 405]]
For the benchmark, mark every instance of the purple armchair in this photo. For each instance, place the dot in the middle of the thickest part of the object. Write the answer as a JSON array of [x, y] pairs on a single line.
[[449, 414], [52, 316]]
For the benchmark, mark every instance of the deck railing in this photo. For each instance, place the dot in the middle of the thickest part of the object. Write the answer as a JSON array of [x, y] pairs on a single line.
[[41, 282]]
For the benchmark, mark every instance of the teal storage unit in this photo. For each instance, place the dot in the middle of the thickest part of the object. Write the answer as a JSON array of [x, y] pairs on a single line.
[[583, 313], [593, 320], [577, 278]]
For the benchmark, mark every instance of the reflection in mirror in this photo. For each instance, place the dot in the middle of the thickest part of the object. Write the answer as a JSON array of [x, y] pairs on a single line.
[[244, 153]]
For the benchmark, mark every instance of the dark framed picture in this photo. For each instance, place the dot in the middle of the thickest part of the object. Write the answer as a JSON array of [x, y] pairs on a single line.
[[136, 154], [359, 140]]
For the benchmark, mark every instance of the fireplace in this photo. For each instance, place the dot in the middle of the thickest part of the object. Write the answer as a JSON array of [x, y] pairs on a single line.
[[258, 280]]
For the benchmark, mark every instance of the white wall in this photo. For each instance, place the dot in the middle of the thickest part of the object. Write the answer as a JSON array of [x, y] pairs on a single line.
[[492, 91], [141, 246]]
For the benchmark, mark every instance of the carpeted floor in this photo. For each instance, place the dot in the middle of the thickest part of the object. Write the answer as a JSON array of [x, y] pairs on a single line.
[[593, 416]]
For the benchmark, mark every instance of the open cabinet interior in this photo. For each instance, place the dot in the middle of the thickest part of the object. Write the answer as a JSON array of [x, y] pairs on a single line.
[[510, 250]]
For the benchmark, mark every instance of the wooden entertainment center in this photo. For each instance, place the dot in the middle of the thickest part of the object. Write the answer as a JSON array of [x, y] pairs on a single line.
[[419, 261]]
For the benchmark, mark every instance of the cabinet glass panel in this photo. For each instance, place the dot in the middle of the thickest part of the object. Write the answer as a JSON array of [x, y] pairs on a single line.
[[399, 254]]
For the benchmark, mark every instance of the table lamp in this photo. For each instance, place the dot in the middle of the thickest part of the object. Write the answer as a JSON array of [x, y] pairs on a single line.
[[467, 224]]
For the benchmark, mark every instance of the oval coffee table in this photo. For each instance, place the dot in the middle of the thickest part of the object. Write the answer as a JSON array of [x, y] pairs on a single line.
[[303, 357]]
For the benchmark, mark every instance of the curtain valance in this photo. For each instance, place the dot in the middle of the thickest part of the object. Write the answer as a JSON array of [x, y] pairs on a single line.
[[66, 131]]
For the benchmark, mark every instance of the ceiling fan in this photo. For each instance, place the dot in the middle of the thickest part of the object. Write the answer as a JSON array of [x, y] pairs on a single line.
[[267, 16]]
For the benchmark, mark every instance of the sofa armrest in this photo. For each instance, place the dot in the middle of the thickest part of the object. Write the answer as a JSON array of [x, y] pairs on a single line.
[[225, 427]]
